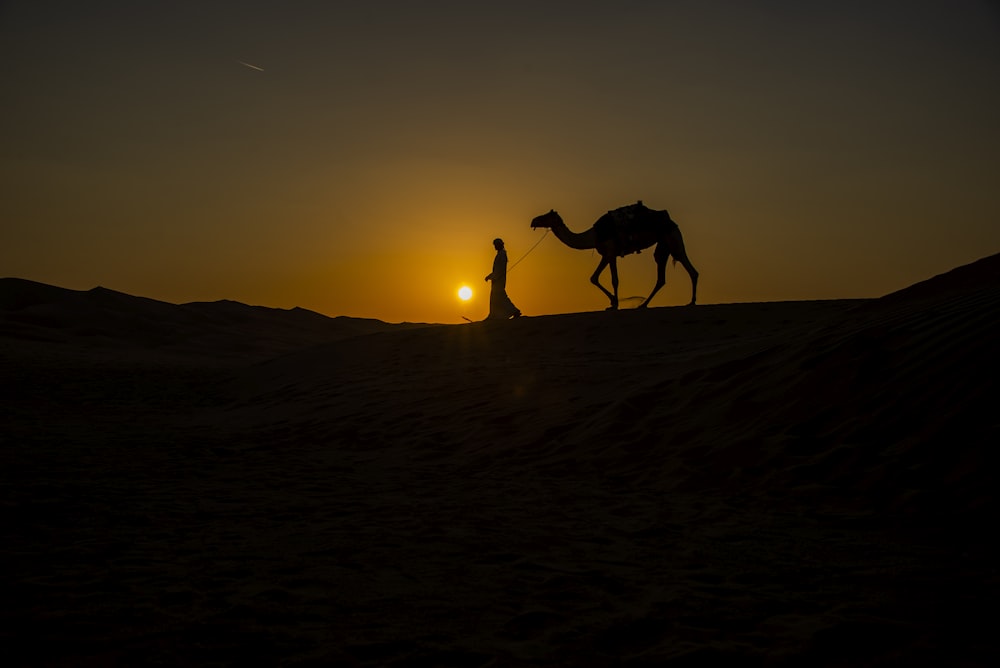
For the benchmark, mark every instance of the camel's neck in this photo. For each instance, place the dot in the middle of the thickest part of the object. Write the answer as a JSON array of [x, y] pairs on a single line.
[[579, 241]]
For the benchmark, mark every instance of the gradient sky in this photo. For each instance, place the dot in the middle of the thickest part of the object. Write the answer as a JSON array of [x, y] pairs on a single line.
[[807, 150]]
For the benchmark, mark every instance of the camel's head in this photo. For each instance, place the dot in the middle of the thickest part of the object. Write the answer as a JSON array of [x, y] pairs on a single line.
[[550, 219]]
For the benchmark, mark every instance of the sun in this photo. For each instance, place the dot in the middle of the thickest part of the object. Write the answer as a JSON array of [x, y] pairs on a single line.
[[465, 293]]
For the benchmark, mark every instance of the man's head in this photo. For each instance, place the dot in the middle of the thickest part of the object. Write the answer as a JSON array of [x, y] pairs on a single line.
[[498, 244]]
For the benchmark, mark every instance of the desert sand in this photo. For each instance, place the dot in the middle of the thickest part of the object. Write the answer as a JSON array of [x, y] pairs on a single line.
[[783, 483]]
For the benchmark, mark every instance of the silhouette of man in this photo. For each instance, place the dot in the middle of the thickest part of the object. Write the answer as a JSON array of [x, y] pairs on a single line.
[[501, 307]]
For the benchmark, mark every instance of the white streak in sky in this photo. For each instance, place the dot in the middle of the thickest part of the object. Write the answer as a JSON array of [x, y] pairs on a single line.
[[253, 67]]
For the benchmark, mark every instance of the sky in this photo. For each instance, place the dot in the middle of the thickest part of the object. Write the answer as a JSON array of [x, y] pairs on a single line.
[[358, 158]]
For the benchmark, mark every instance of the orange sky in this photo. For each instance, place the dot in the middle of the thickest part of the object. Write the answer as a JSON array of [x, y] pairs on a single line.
[[806, 153]]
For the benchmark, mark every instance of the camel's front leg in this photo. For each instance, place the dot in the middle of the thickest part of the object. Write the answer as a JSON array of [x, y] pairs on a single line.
[[595, 279]]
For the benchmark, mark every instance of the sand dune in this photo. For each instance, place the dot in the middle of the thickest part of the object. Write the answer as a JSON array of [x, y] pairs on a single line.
[[118, 324], [781, 483]]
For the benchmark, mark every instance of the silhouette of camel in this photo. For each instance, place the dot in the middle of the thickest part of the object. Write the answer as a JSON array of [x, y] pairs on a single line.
[[629, 229]]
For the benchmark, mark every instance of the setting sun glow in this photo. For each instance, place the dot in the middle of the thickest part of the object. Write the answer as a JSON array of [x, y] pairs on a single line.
[[362, 181]]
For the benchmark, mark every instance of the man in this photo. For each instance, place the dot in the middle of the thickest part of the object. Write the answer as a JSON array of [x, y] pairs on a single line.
[[501, 307]]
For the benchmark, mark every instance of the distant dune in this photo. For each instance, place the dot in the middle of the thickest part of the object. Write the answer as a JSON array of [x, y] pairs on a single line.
[[105, 320], [780, 483]]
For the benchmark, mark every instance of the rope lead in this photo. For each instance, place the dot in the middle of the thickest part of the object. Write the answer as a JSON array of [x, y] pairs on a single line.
[[511, 267]]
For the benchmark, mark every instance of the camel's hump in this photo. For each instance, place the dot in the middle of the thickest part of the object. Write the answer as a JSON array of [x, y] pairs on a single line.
[[632, 227]]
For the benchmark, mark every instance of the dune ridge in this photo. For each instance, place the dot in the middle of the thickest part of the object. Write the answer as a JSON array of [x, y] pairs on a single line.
[[781, 483], [117, 323]]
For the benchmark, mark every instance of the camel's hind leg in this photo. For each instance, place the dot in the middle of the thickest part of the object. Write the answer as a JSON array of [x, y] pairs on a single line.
[[661, 254], [680, 255], [596, 280]]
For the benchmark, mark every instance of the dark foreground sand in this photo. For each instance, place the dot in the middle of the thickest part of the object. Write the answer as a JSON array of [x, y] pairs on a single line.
[[794, 483]]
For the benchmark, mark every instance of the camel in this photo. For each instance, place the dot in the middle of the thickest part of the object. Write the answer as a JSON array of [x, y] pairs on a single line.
[[629, 229]]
